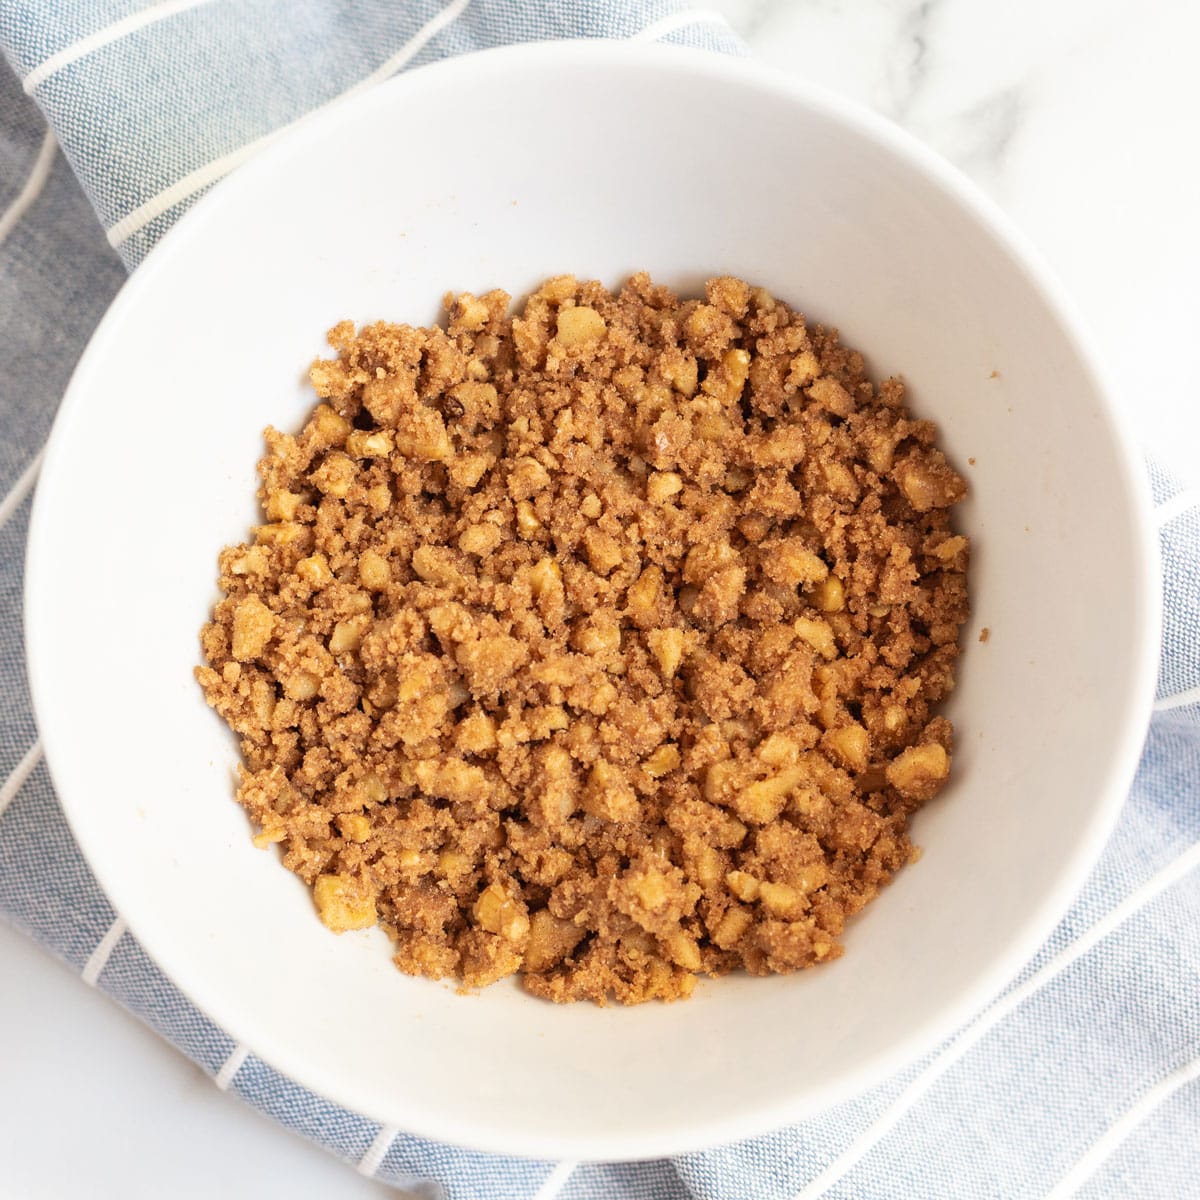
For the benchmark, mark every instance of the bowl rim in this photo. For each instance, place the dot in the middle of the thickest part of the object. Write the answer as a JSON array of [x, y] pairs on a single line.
[[1123, 752]]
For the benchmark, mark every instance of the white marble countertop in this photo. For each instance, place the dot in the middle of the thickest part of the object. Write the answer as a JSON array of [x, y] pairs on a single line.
[[1078, 117]]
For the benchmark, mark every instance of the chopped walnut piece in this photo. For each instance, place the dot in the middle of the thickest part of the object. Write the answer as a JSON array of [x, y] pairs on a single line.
[[551, 939], [600, 643], [919, 772], [579, 324], [608, 795], [253, 623], [343, 903]]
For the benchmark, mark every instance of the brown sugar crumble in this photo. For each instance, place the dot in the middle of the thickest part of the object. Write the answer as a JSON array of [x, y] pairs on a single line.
[[984, 634], [601, 643]]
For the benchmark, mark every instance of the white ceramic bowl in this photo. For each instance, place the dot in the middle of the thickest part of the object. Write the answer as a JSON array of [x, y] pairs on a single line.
[[495, 171]]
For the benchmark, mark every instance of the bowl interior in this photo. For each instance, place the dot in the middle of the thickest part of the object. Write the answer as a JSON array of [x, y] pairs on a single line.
[[687, 166]]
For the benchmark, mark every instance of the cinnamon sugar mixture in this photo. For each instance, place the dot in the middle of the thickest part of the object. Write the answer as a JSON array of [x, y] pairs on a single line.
[[602, 643]]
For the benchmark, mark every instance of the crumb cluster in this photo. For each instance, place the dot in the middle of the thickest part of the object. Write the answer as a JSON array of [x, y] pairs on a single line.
[[601, 643]]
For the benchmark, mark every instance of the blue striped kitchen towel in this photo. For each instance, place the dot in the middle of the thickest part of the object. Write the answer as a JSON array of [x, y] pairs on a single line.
[[1082, 1078]]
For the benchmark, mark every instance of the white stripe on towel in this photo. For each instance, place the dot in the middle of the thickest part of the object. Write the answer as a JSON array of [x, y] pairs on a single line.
[[376, 1152], [102, 37], [201, 177], [20, 489], [991, 1017], [103, 952], [20, 773], [38, 175], [555, 1181], [1191, 696], [1104, 1146], [1176, 506], [230, 1067], [675, 21]]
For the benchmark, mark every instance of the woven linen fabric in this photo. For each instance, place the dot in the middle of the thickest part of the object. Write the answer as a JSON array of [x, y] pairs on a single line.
[[1082, 1078]]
